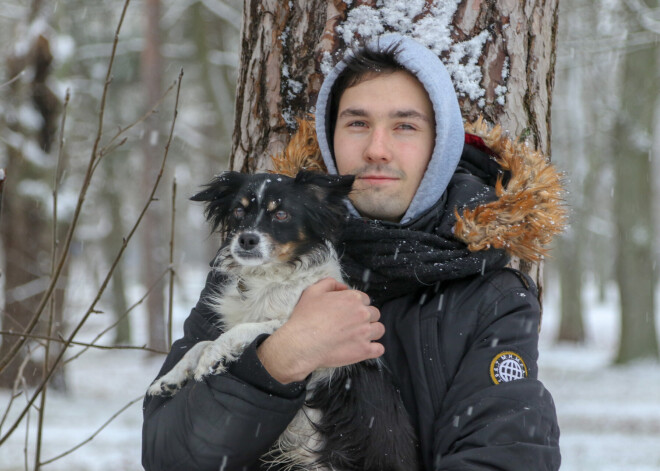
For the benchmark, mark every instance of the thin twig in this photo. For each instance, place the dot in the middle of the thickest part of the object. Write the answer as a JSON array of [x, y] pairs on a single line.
[[108, 147], [81, 198], [4, 416], [27, 427], [83, 344], [61, 455], [13, 79], [3, 177], [113, 325], [171, 288], [51, 316], [112, 268], [15, 391]]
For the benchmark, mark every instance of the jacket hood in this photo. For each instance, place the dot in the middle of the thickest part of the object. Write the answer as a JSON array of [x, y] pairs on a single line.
[[528, 209], [429, 70]]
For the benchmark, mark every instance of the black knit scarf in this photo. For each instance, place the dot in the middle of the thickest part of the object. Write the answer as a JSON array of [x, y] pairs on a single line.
[[389, 260]]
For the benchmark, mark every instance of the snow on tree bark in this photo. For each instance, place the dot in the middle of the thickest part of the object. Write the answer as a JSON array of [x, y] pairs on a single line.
[[277, 65], [500, 55]]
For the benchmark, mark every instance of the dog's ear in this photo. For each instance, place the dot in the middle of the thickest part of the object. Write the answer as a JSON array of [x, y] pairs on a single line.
[[327, 203], [218, 196], [332, 188]]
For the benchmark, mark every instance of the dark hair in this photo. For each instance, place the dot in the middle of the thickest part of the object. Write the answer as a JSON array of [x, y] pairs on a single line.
[[361, 64]]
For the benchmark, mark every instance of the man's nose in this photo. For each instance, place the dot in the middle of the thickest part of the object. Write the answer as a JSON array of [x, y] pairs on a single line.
[[377, 149]]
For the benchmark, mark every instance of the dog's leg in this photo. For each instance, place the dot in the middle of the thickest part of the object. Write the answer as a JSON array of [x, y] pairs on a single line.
[[171, 382], [230, 345]]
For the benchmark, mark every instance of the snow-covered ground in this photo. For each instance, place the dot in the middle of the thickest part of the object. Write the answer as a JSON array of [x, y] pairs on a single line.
[[609, 416]]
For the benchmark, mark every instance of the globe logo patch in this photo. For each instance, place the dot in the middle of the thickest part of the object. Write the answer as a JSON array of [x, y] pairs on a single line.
[[507, 366]]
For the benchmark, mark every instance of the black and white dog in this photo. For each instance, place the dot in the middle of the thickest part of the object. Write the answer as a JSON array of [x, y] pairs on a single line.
[[279, 238]]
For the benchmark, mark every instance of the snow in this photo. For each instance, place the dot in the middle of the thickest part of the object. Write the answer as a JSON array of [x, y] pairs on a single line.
[[609, 415], [433, 31]]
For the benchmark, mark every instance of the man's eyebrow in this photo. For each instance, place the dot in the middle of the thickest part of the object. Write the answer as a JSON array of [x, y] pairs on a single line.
[[352, 112], [407, 114]]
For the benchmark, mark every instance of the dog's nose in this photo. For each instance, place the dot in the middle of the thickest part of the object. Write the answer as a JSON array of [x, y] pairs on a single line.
[[248, 240]]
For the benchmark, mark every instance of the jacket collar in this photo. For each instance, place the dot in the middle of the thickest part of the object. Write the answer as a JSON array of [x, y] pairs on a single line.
[[528, 209]]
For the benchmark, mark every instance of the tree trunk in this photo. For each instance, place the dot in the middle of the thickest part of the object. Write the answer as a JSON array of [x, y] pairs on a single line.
[[633, 204], [501, 57], [153, 247], [276, 76], [27, 240]]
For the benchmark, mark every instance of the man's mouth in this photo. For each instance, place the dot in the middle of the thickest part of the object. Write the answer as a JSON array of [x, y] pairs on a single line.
[[378, 179]]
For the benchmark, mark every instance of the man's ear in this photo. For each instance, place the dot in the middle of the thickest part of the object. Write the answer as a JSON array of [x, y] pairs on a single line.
[[218, 196], [331, 188]]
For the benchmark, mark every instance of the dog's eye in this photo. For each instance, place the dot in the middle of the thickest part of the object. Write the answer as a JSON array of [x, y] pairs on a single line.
[[281, 215], [239, 212]]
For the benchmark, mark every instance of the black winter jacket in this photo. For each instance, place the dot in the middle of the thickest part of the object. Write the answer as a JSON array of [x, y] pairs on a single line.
[[462, 353], [439, 352]]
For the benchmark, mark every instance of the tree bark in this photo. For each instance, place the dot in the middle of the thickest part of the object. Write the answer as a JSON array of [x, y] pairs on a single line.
[[286, 47], [276, 76]]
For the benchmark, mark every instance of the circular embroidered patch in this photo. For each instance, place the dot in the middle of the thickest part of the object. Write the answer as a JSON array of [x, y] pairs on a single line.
[[507, 366]]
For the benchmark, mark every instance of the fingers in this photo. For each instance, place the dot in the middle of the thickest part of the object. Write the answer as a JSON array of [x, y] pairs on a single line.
[[327, 285], [374, 313]]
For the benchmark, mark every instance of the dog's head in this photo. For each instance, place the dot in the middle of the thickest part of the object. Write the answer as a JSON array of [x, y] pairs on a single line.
[[269, 218]]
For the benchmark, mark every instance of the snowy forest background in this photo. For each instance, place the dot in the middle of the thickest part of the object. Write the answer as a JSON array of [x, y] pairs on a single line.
[[600, 283]]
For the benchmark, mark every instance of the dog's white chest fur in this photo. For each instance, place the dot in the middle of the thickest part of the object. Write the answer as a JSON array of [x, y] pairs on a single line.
[[268, 293], [254, 300], [260, 294]]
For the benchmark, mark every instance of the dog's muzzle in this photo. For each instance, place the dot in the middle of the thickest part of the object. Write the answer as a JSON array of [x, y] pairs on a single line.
[[250, 248]]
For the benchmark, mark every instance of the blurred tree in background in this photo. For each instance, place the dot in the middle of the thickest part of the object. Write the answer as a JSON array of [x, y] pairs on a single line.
[[605, 124], [49, 47]]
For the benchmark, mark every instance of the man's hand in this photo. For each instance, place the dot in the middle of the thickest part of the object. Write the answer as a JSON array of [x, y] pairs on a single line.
[[330, 326]]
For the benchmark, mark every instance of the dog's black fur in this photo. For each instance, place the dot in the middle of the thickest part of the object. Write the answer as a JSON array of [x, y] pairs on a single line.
[[363, 423]]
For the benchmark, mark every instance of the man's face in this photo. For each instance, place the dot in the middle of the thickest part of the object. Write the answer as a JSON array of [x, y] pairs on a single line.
[[384, 135]]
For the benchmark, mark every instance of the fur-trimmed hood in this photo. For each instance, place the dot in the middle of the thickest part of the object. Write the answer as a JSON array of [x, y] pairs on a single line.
[[528, 212]]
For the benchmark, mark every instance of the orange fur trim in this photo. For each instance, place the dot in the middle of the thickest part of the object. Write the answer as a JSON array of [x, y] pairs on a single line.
[[302, 152], [528, 213]]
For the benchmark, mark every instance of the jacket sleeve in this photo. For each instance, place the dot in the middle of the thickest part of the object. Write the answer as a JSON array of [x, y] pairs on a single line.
[[496, 414], [226, 421]]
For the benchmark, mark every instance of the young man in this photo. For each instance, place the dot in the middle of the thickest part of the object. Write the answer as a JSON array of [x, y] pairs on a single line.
[[458, 331]]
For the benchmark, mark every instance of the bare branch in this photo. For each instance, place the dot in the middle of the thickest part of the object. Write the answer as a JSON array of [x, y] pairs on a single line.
[[82, 344], [171, 268], [111, 145], [136, 304], [15, 392], [81, 198], [114, 416], [51, 315], [13, 79], [109, 275], [3, 177]]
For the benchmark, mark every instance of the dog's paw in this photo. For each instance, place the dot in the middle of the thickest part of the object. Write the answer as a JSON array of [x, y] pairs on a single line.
[[213, 361], [170, 383], [164, 388]]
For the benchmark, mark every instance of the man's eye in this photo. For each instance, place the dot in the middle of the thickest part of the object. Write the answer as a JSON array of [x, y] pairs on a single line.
[[281, 215], [239, 212], [357, 124], [406, 127]]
